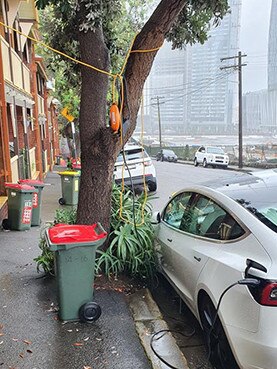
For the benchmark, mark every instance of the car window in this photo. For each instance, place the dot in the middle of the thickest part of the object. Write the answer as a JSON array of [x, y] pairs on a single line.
[[174, 212], [215, 150], [168, 152], [132, 154], [205, 218]]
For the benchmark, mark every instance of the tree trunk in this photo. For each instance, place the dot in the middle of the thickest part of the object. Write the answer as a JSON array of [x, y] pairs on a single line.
[[99, 146], [97, 141]]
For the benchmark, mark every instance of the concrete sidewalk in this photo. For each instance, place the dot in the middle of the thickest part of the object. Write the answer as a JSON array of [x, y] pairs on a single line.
[[31, 336]]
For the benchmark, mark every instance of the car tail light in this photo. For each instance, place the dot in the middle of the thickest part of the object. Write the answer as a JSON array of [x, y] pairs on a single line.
[[266, 293], [269, 295], [147, 163]]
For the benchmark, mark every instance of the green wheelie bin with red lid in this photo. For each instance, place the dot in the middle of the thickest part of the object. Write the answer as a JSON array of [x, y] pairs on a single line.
[[20, 206], [39, 185], [74, 248]]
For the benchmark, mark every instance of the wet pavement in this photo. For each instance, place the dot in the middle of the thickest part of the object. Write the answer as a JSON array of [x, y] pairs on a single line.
[[182, 323], [32, 337]]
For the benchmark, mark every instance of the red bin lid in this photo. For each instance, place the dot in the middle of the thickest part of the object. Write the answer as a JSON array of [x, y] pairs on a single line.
[[20, 187], [65, 233], [31, 182], [76, 166]]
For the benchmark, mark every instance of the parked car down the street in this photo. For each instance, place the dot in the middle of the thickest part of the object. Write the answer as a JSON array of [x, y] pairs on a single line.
[[167, 155], [137, 168], [210, 237], [211, 156]]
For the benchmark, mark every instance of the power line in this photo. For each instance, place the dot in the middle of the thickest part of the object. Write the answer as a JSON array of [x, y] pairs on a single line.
[[200, 89]]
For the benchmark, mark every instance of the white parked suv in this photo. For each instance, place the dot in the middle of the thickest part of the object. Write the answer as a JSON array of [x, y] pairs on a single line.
[[211, 155], [138, 165]]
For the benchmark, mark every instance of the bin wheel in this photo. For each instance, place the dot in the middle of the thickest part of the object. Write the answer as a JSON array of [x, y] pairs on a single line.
[[61, 201], [89, 312], [6, 224]]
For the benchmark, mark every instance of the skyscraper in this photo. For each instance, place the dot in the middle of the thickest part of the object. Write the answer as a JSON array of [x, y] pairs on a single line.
[[272, 48], [195, 95], [211, 97]]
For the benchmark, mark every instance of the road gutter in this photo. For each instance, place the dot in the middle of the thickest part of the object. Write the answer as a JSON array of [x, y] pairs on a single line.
[[149, 320]]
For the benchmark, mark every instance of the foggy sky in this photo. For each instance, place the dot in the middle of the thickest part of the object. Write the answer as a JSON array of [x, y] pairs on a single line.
[[255, 18]]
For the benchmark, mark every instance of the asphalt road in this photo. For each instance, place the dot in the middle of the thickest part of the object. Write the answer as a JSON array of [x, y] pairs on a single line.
[[172, 177]]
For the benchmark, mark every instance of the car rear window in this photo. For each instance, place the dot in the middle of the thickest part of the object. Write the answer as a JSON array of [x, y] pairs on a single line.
[[132, 154], [169, 152], [215, 150]]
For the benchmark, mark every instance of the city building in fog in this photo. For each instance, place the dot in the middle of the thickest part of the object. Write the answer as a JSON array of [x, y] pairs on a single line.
[[188, 87], [211, 97], [165, 91], [272, 48], [260, 107]]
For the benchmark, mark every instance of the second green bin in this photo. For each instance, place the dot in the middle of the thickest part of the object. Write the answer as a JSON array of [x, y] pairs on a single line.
[[70, 187], [39, 185]]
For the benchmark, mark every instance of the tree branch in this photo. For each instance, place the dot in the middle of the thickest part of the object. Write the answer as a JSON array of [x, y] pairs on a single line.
[[139, 65]]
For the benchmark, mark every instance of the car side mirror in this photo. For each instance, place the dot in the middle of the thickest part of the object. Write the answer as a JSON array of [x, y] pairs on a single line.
[[156, 218]]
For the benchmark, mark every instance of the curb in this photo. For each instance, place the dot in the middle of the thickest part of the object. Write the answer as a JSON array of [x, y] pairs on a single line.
[[148, 320]]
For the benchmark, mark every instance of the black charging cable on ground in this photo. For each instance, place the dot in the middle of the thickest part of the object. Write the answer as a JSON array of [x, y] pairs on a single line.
[[246, 282], [164, 331]]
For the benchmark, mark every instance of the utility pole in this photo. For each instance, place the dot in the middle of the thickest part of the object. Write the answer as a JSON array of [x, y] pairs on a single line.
[[157, 98], [239, 68]]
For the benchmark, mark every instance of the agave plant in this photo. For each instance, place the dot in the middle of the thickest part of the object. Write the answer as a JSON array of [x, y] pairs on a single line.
[[130, 249]]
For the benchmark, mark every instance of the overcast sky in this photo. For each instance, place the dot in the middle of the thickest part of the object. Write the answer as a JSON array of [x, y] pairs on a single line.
[[255, 19]]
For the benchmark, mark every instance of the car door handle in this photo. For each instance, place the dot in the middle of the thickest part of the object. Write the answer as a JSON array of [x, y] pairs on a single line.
[[169, 239], [197, 259]]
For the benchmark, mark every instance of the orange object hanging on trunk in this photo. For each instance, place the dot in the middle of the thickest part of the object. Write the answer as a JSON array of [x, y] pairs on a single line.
[[115, 119]]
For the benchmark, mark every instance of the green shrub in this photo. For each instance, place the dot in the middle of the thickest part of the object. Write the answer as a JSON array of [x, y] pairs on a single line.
[[130, 249], [45, 261]]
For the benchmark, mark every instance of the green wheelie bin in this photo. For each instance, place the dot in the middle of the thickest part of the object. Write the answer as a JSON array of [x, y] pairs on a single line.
[[70, 181], [20, 206], [39, 185], [74, 247]]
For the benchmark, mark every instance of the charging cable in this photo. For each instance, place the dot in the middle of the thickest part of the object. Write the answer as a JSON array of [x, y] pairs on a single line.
[[251, 282]]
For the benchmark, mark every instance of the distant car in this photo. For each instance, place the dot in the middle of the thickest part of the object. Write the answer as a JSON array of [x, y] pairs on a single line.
[[211, 237], [137, 167], [211, 155], [167, 155]]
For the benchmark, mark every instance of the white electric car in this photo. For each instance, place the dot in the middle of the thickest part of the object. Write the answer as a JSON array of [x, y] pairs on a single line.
[[210, 237]]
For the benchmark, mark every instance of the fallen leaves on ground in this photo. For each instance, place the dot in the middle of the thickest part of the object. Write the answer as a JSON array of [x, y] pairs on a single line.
[[87, 367], [78, 344], [27, 342]]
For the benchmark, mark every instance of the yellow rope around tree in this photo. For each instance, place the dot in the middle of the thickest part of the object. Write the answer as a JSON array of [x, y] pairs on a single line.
[[115, 77]]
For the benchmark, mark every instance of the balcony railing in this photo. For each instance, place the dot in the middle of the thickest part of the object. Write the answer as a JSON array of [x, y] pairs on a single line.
[[21, 73]]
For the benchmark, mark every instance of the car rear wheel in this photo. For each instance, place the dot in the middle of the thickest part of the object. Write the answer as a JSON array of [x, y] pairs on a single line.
[[195, 162], [205, 164], [220, 353], [152, 186]]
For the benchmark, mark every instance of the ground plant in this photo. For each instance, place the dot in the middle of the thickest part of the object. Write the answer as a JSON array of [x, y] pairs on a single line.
[[130, 245]]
